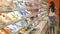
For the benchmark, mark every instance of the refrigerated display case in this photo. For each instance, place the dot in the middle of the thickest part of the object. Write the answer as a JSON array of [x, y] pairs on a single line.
[[24, 17]]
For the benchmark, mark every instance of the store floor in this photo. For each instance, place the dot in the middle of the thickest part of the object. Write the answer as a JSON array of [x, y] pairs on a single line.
[[58, 32]]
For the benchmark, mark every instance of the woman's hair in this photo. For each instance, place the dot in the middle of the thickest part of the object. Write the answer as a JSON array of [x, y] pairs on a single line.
[[52, 6]]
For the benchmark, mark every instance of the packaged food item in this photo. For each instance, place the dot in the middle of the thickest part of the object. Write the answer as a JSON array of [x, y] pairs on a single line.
[[1, 5], [7, 30], [19, 25], [4, 18], [28, 20], [5, 15], [22, 31], [3, 32], [24, 22], [13, 27], [11, 15], [24, 12], [30, 11], [28, 4], [17, 14]]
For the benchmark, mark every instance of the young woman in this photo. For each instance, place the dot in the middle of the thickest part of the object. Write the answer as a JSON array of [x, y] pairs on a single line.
[[52, 16]]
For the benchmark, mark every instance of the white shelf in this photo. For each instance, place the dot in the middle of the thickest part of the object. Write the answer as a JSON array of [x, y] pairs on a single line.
[[11, 22], [23, 27], [27, 32], [5, 11], [42, 25], [29, 0], [25, 7], [17, 31]]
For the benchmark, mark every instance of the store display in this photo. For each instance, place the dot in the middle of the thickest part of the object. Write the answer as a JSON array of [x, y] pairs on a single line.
[[13, 27], [26, 16]]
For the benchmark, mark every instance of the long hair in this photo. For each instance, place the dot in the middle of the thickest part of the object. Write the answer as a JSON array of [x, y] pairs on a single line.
[[52, 6]]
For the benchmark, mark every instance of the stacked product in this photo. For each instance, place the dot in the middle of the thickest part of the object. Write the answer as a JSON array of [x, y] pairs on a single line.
[[26, 16]]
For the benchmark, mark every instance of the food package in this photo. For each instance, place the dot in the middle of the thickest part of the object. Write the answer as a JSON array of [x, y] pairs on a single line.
[[7, 30], [3, 32], [13, 27], [11, 15], [1, 5], [4, 18], [17, 14], [6, 4], [22, 30], [30, 11], [28, 20]]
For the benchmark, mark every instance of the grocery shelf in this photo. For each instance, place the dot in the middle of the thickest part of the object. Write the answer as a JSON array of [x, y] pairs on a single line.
[[28, 0], [45, 28], [18, 9], [42, 25], [11, 22], [25, 27], [39, 20], [27, 32], [14, 21], [25, 7], [34, 14], [5, 11]]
